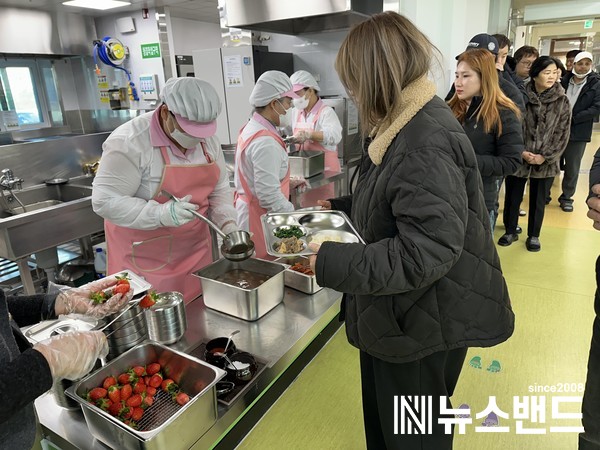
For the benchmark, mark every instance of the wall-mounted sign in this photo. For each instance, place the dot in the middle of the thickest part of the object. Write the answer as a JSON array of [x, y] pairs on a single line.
[[150, 51], [233, 71], [588, 24]]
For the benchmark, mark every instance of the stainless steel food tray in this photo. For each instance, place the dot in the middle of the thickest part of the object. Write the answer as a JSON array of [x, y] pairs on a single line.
[[165, 424], [306, 163], [318, 225], [48, 328], [297, 280]]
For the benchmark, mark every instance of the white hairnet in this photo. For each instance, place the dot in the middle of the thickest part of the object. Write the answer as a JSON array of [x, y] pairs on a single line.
[[302, 79], [191, 98], [271, 85]]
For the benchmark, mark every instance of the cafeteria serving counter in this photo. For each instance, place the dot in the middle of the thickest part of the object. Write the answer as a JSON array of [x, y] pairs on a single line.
[[285, 339]]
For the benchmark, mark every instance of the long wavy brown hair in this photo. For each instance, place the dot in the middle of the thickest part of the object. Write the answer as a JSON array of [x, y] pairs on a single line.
[[493, 99], [377, 60]]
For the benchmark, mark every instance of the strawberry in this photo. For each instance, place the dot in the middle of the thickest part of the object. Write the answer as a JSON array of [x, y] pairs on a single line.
[[151, 391], [126, 391], [126, 378], [139, 387], [126, 412], [108, 382], [155, 380], [114, 409], [134, 401], [137, 414], [149, 300], [97, 393], [114, 393], [98, 297], [182, 398], [169, 386], [148, 401], [146, 380], [120, 289], [104, 403], [138, 371], [123, 279], [153, 368]]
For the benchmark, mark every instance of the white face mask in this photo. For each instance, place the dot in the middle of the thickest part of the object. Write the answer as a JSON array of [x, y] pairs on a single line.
[[285, 120], [300, 103], [184, 139], [582, 75]]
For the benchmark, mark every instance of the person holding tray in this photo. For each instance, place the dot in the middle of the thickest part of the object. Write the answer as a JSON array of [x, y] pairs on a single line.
[[427, 285]]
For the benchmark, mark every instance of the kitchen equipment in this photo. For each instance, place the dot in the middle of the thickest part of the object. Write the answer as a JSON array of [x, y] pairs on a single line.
[[306, 163], [237, 245], [298, 280], [324, 225], [244, 303], [165, 424], [125, 329], [241, 367], [166, 319], [233, 333], [224, 387], [55, 181], [215, 349], [121, 313]]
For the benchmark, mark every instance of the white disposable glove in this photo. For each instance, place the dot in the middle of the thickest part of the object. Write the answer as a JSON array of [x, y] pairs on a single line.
[[301, 136], [230, 227], [175, 214], [299, 183], [77, 300], [72, 355]]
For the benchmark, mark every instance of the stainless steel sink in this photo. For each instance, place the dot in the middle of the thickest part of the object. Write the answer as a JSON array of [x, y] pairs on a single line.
[[54, 215]]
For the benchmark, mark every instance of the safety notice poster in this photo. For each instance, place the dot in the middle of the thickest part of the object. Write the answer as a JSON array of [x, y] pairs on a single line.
[[233, 71]]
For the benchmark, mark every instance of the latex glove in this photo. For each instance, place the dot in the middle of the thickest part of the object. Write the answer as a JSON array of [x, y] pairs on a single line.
[[175, 214], [72, 355], [301, 136], [299, 183], [230, 227], [77, 300]]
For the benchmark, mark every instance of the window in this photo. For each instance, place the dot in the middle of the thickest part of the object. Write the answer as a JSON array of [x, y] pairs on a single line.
[[28, 89]]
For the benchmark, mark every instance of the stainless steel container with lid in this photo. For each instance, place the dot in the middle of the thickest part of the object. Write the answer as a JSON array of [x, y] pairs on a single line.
[[306, 163], [126, 332], [166, 319]]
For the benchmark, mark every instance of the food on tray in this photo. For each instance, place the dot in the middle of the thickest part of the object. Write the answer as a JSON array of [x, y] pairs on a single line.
[[299, 267], [128, 395], [289, 231], [121, 287], [289, 245], [149, 299], [319, 238], [242, 278]]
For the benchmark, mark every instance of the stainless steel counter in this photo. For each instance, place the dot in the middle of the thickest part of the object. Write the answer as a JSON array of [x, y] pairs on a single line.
[[278, 338]]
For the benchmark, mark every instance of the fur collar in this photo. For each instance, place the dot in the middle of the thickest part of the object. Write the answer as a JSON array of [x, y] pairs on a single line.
[[414, 97]]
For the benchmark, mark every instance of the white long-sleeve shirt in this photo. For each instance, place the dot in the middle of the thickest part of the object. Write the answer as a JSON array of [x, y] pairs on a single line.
[[328, 122], [130, 174], [264, 164]]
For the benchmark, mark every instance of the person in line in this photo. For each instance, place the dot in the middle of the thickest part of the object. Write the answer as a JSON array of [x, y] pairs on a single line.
[[582, 86], [509, 88], [315, 127], [560, 67], [590, 438], [570, 57], [503, 66], [523, 58], [262, 173], [490, 120], [428, 283], [172, 148], [545, 134], [27, 372]]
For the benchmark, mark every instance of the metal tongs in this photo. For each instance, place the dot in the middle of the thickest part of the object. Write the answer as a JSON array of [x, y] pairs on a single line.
[[131, 304]]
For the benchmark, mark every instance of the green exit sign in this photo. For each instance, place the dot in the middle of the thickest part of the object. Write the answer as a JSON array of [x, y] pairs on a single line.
[[150, 51], [588, 24]]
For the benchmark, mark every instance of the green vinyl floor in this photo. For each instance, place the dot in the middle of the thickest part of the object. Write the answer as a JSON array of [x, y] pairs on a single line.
[[552, 295]]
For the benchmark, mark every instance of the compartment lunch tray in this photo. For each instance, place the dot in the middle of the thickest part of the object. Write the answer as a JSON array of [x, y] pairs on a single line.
[[230, 397], [319, 226]]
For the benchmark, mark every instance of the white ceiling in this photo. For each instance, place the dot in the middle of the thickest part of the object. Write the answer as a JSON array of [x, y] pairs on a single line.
[[520, 4], [202, 10]]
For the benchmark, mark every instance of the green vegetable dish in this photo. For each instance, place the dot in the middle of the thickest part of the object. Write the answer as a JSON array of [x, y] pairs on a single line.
[[288, 232]]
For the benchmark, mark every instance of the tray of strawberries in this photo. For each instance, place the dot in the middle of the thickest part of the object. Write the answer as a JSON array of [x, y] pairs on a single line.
[[149, 397]]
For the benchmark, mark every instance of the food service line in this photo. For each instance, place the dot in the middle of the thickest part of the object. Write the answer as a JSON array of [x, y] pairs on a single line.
[[279, 338]]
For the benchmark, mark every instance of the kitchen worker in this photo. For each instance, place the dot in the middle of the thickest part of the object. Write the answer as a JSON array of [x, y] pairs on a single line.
[[315, 127], [29, 371], [172, 148], [262, 173]]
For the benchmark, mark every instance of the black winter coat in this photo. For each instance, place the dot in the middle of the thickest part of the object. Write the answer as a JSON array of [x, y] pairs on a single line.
[[429, 278], [497, 156], [586, 108], [509, 89]]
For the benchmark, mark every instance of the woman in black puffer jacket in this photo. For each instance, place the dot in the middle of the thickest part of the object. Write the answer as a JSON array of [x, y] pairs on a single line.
[[491, 121], [428, 284]]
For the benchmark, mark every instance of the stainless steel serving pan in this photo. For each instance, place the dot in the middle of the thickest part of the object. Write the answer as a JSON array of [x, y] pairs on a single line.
[[319, 226], [306, 163], [165, 424], [297, 280]]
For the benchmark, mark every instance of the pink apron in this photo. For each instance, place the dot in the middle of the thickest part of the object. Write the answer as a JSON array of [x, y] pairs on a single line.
[[254, 208], [167, 256], [332, 164]]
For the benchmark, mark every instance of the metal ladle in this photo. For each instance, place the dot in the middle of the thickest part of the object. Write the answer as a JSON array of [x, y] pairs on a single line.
[[233, 333], [237, 245], [224, 356]]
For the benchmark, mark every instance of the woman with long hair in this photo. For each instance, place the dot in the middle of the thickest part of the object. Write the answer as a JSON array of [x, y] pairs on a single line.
[[427, 284], [491, 121], [546, 134]]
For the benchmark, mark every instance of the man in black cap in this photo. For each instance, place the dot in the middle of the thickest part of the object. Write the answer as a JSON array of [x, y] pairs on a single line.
[[490, 43]]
